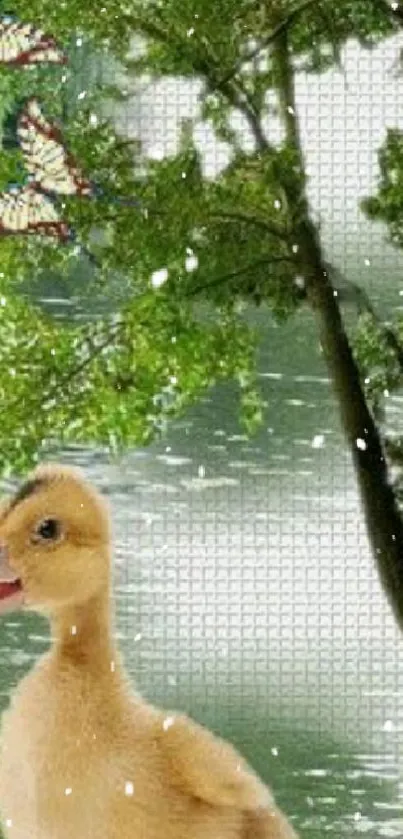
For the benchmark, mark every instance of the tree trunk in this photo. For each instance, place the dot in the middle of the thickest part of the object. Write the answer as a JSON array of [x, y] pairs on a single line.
[[383, 520]]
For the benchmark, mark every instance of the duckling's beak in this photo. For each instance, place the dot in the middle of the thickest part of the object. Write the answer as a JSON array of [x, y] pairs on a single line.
[[11, 596]]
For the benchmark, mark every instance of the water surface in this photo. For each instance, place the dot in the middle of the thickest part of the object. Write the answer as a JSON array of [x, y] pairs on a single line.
[[246, 594]]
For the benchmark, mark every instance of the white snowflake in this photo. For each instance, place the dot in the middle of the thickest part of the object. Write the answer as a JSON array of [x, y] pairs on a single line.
[[158, 278]]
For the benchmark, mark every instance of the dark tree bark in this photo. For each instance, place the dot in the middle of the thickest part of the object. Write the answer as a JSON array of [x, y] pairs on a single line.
[[383, 520]]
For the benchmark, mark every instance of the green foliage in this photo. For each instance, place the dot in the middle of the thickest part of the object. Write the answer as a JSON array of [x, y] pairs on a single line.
[[387, 204], [376, 356], [377, 361], [223, 243], [114, 382]]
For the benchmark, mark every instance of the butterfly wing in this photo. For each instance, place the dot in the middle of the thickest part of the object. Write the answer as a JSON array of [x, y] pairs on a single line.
[[23, 210], [46, 158], [22, 43]]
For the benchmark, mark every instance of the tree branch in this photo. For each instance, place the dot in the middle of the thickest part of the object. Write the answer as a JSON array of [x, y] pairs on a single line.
[[233, 275], [244, 218], [255, 52], [209, 69], [241, 218]]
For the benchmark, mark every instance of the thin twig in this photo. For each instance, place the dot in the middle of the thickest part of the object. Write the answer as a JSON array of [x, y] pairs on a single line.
[[255, 52], [209, 69], [233, 275], [244, 218]]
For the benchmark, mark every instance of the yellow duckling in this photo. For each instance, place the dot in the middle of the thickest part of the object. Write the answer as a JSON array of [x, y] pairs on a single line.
[[81, 755]]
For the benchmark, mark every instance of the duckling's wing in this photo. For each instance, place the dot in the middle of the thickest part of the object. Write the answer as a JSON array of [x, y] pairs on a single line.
[[209, 768]]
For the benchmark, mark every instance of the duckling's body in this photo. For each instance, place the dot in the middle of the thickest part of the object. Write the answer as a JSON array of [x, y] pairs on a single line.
[[82, 757]]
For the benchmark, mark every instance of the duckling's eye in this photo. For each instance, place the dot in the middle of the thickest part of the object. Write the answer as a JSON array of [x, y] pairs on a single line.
[[48, 530]]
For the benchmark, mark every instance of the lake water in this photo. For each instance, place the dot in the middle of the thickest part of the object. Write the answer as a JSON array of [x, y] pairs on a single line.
[[246, 594]]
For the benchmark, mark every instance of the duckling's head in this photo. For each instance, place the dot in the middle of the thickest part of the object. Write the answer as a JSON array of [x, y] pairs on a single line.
[[54, 542]]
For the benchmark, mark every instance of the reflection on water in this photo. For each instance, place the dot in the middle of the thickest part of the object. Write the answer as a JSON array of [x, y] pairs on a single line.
[[246, 595]]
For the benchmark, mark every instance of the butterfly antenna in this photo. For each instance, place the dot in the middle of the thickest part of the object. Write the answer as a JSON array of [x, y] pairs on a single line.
[[99, 192]]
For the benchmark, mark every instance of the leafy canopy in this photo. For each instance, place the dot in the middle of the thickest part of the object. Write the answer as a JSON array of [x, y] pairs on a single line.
[[225, 242]]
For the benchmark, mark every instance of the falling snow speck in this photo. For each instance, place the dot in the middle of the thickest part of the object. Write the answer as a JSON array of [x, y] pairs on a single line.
[[158, 278], [318, 441], [191, 263], [168, 723], [361, 444], [201, 471], [73, 630], [367, 261], [274, 751], [129, 788], [112, 666], [357, 816], [388, 726], [68, 791], [82, 94], [190, 31], [138, 637], [277, 204]]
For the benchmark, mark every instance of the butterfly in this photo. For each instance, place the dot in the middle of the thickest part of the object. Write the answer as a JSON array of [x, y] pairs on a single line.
[[51, 167], [52, 172], [48, 163], [23, 209], [31, 209], [24, 44]]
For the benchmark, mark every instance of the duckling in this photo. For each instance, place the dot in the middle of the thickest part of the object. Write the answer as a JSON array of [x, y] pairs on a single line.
[[82, 756]]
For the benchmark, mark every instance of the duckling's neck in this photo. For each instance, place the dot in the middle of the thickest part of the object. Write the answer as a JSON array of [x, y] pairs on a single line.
[[83, 635]]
